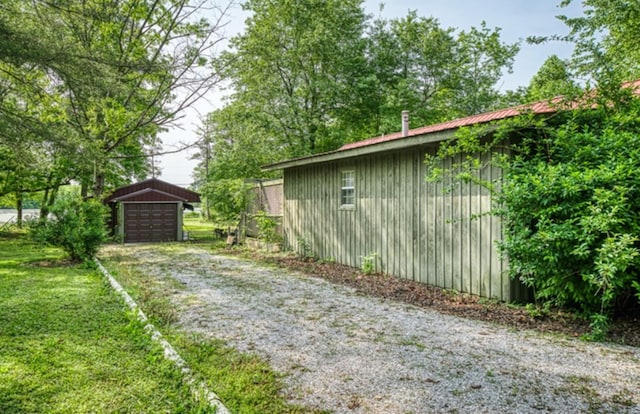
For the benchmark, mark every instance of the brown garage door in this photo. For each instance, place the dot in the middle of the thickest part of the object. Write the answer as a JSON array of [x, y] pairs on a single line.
[[150, 222]]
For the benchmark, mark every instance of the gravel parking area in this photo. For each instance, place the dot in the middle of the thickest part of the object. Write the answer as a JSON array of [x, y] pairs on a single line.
[[348, 353]]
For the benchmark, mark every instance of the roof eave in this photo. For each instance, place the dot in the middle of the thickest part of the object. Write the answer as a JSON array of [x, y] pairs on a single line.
[[396, 144], [145, 191]]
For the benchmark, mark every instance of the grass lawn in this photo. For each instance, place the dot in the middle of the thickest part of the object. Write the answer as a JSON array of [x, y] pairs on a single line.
[[67, 344], [199, 229]]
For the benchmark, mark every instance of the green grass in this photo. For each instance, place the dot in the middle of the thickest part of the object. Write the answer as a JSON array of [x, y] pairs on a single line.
[[200, 230], [245, 383], [67, 345]]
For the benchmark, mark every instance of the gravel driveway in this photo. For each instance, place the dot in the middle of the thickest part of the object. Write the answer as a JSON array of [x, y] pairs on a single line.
[[349, 353]]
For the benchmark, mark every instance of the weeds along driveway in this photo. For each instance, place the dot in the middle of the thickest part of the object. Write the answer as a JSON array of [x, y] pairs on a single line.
[[349, 353]]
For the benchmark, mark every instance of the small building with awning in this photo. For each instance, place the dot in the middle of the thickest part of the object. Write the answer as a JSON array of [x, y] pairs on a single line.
[[149, 211]]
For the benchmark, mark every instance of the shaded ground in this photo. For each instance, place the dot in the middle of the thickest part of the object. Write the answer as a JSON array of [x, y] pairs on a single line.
[[624, 330]]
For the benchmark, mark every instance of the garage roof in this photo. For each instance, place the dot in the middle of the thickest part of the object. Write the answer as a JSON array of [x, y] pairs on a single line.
[[153, 190]]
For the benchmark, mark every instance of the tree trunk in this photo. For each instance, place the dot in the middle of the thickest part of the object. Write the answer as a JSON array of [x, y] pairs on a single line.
[[19, 204], [84, 190], [47, 201], [98, 186]]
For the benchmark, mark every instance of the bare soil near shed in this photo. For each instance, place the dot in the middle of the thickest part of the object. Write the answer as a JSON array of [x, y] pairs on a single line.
[[353, 343]]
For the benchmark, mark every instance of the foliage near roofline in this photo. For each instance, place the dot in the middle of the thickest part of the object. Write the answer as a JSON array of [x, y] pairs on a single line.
[[569, 198]]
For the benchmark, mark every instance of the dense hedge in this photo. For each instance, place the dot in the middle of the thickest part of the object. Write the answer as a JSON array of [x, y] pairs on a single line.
[[570, 200]]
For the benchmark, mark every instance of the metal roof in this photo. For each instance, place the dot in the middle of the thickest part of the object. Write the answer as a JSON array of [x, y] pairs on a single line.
[[441, 131], [418, 136], [536, 108]]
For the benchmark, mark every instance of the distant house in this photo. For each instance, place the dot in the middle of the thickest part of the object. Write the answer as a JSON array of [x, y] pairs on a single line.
[[149, 211], [369, 200]]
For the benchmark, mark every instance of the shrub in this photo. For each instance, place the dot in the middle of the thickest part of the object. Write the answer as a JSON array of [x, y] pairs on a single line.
[[228, 198], [267, 227], [570, 203], [76, 226], [573, 217]]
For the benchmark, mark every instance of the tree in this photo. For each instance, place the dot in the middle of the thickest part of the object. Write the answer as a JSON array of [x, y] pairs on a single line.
[[233, 147], [116, 72], [606, 36], [552, 79], [481, 59], [569, 193], [433, 72], [425, 69], [294, 67]]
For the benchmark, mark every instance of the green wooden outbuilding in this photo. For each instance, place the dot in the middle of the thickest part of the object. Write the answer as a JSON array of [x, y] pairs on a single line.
[[369, 200]]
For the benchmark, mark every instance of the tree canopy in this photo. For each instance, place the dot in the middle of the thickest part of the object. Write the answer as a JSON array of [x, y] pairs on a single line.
[[309, 76], [86, 87]]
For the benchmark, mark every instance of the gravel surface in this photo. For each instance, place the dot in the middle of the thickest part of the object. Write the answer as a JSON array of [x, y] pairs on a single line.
[[348, 353]]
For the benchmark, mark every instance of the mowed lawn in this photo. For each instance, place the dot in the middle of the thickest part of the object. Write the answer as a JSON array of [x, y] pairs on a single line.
[[68, 344]]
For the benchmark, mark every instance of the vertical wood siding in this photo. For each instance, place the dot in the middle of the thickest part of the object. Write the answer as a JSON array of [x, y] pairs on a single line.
[[418, 231]]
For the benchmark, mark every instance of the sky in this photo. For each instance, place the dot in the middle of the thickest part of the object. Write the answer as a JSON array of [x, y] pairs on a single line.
[[517, 19]]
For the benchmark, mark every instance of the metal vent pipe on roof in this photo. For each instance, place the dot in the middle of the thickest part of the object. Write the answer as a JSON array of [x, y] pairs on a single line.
[[405, 123]]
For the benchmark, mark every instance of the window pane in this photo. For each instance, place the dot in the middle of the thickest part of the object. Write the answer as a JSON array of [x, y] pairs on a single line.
[[347, 188], [348, 196]]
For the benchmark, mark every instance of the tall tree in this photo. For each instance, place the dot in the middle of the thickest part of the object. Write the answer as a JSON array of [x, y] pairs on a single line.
[[605, 38], [294, 66], [552, 79], [481, 61], [120, 71], [425, 70]]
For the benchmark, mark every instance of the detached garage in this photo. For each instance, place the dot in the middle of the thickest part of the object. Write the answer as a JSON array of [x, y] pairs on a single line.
[[149, 211]]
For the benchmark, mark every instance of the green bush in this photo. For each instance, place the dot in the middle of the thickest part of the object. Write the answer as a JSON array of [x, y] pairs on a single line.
[[228, 199], [570, 202], [267, 227], [75, 225], [572, 213]]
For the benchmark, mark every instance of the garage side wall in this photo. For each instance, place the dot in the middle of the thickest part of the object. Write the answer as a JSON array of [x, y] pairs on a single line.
[[412, 229]]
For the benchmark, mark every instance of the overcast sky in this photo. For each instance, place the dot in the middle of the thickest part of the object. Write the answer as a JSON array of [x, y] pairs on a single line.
[[517, 19]]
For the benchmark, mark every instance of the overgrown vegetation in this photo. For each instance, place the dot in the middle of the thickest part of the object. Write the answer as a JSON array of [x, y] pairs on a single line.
[[570, 206], [569, 194], [569, 202], [68, 346], [76, 225], [267, 227]]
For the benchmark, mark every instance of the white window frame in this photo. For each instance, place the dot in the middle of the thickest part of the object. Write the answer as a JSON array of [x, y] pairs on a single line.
[[348, 189]]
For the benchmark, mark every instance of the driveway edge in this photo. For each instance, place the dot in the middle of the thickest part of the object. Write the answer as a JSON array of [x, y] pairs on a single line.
[[198, 388]]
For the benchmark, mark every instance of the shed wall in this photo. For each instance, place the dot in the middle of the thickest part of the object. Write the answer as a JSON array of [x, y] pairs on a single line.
[[417, 230]]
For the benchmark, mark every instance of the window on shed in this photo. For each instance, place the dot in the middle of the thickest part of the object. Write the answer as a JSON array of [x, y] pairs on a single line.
[[347, 188]]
